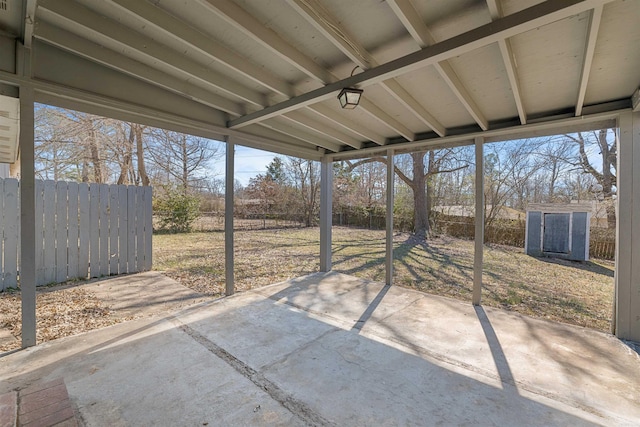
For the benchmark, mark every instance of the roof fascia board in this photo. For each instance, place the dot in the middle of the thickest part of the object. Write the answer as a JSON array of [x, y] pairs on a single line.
[[66, 97], [552, 127]]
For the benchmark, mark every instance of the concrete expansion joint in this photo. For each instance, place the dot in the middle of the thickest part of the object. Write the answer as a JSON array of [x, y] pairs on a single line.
[[297, 407]]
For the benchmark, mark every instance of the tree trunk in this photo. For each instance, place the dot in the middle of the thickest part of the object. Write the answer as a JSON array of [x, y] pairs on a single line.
[[185, 166], [142, 171], [420, 202], [98, 175], [125, 166]]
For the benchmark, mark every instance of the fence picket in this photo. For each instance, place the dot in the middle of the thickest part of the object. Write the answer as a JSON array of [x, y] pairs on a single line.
[[131, 231], [84, 232], [148, 228], [104, 229], [139, 229], [11, 236], [49, 252], [2, 287], [122, 229], [72, 230], [39, 214], [80, 230], [61, 231], [94, 229], [114, 213]]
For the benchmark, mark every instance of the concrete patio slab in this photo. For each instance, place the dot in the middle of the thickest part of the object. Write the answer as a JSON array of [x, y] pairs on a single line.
[[331, 349]]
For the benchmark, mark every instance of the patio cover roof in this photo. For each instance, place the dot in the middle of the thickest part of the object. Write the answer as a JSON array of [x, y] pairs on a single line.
[[266, 73]]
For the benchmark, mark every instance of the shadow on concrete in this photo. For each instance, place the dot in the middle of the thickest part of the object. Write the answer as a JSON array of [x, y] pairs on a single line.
[[500, 359], [328, 373], [366, 315]]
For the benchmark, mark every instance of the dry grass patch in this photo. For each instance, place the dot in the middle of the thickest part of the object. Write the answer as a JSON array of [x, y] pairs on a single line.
[[59, 312], [565, 291], [262, 257]]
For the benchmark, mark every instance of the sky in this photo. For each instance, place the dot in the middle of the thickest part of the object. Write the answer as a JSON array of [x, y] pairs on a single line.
[[249, 162]]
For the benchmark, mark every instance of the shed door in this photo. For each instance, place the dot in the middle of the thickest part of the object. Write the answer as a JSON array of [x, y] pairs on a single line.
[[556, 233]]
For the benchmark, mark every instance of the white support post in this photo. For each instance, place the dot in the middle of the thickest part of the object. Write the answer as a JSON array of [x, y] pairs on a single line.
[[326, 210], [27, 204], [228, 218], [627, 274], [479, 223], [389, 237]]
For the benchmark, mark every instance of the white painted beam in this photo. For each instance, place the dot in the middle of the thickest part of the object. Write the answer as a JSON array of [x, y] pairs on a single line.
[[328, 131], [424, 38], [176, 28], [94, 52], [29, 22], [590, 48], [378, 113], [389, 220], [228, 218], [278, 125], [250, 26], [323, 21], [517, 23], [510, 66], [66, 97], [88, 21], [337, 118], [508, 58], [326, 212], [185, 33], [452, 80], [406, 99], [328, 25], [479, 222]]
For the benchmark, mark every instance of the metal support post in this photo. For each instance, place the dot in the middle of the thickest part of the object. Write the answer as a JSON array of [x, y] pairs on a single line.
[[228, 218], [479, 223]]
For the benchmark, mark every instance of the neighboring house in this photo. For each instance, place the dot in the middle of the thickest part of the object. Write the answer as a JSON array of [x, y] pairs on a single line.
[[468, 211]]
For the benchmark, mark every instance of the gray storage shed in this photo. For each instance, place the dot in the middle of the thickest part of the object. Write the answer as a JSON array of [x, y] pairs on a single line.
[[558, 229]]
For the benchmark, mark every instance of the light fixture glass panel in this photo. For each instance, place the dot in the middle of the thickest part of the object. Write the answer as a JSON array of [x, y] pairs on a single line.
[[349, 97]]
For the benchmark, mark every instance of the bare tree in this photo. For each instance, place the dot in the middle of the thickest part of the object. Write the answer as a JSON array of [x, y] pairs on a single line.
[[607, 154], [420, 181], [508, 168], [305, 178], [181, 158]]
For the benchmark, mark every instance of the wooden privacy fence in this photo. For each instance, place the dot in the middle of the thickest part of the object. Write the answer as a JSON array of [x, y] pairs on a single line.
[[82, 230]]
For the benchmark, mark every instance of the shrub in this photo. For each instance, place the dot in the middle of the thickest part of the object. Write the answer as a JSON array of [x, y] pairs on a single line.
[[176, 211]]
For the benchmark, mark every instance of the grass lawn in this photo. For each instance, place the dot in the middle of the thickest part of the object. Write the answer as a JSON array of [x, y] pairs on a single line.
[[564, 291]]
